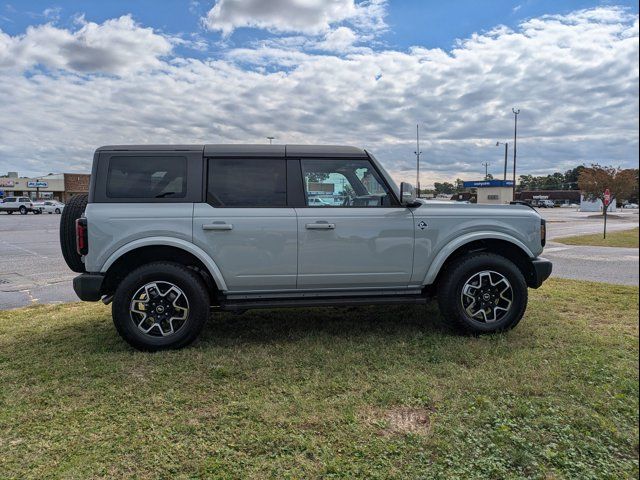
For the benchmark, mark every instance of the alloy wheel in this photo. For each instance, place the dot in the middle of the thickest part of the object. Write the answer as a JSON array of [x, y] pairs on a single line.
[[159, 309], [487, 296]]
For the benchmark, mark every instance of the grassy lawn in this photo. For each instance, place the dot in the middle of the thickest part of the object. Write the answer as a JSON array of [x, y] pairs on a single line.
[[334, 393], [622, 238]]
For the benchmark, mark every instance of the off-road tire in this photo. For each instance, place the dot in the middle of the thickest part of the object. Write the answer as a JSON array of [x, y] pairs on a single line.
[[186, 280], [452, 281], [73, 210]]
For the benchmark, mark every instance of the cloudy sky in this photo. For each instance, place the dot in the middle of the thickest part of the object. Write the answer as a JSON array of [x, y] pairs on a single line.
[[76, 75]]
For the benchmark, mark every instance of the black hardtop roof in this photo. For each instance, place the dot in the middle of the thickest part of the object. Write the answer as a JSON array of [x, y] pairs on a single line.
[[250, 150]]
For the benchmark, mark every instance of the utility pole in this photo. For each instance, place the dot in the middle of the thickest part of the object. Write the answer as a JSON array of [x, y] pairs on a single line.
[[418, 152], [516, 112], [506, 149], [486, 170], [271, 139]]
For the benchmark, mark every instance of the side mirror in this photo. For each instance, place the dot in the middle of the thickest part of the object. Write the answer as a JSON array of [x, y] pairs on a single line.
[[408, 195]]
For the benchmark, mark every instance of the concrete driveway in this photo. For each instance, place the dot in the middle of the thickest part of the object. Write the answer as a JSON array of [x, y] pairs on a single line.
[[33, 271]]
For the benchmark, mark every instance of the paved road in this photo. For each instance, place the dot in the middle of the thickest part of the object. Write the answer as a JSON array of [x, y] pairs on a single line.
[[563, 222], [597, 264], [32, 269]]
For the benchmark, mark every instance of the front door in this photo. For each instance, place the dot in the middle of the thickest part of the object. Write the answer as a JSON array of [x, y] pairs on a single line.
[[352, 232], [246, 226]]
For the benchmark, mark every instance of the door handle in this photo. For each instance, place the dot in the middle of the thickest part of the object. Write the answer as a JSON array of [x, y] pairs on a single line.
[[217, 226], [320, 226]]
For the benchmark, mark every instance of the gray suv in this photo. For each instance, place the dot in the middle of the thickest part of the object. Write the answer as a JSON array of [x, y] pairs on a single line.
[[171, 233]]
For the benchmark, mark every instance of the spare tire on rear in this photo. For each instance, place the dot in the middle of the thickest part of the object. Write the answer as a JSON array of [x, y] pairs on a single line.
[[72, 211]]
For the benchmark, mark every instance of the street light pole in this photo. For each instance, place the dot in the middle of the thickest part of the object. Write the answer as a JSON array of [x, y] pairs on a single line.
[[516, 112], [506, 149], [271, 139], [486, 170], [417, 153]]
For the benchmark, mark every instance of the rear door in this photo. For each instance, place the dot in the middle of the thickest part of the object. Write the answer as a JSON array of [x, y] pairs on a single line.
[[246, 225], [353, 233]]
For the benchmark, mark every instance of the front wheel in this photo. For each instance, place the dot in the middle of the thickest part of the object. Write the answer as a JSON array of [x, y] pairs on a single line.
[[23, 210], [160, 306], [482, 293]]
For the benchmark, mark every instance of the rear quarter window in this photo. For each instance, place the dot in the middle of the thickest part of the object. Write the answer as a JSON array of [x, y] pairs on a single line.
[[145, 177]]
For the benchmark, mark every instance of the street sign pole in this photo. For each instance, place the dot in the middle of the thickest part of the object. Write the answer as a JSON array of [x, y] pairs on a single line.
[[607, 201]]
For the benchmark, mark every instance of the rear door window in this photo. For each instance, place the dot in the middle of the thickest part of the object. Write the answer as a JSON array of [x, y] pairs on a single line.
[[149, 177], [247, 182]]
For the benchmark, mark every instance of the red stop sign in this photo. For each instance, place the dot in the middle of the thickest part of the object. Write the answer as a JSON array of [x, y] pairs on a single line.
[[607, 197]]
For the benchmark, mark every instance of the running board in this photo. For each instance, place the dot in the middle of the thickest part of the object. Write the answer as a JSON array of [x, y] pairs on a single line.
[[234, 305]]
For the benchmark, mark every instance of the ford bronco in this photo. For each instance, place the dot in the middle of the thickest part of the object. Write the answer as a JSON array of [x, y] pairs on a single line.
[[170, 233]]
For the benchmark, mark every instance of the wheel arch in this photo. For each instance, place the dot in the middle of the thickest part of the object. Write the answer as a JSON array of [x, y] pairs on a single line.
[[137, 253], [499, 244]]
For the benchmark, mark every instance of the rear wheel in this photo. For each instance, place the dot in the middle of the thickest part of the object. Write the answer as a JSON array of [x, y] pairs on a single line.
[[160, 306], [482, 293], [74, 210], [57, 211], [22, 210]]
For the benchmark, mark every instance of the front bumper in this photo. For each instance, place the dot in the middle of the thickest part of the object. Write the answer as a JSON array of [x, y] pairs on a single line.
[[540, 272], [88, 286]]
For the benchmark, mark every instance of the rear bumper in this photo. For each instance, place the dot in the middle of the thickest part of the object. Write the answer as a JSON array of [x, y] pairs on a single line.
[[540, 272], [88, 286]]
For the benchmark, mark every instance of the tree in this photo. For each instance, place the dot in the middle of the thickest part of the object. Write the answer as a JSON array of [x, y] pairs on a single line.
[[445, 187], [622, 184], [571, 177]]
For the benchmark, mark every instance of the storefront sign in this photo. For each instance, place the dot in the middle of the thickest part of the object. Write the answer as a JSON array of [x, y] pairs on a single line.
[[488, 183], [37, 184], [6, 183]]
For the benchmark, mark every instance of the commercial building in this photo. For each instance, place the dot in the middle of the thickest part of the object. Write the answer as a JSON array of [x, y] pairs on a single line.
[[491, 191], [558, 197], [59, 186]]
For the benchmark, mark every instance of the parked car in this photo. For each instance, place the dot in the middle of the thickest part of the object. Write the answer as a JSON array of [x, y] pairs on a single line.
[[167, 244], [544, 204], [22, 205], [318, 202], [630, 205], [52, 206]]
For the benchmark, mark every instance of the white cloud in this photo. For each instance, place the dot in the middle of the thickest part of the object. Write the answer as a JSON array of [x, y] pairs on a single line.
[[339, 40], [574, 77], [306, 16], [116, 46]]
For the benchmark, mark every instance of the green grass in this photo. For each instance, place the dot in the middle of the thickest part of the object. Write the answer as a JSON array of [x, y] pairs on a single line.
[[622, 238], [334, 393]]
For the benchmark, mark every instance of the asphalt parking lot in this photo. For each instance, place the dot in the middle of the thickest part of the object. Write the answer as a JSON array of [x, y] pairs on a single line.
[[32, 269], [596, 264]]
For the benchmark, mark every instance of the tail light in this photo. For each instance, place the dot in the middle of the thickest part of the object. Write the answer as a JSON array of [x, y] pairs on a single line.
[[543, 231], [82, 240]]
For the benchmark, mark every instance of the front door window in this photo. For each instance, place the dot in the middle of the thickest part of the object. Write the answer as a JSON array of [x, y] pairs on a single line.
[[344, 183]]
